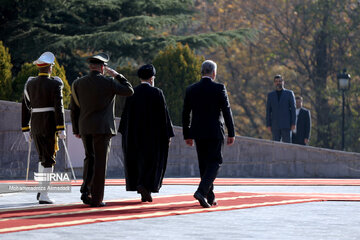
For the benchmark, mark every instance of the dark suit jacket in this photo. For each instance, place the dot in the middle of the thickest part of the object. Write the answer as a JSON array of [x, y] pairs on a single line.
[[96, 96], [206, 106], [303, 127], [280, 114]]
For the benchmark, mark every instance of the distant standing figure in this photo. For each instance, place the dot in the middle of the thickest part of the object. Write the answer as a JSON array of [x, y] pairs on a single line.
[[146, 131], [280, 111], [206, 106], [301, 134], [93, 120]]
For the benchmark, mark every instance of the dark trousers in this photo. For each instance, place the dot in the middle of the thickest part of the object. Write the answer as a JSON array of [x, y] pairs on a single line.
[[297, 140], [97, 148], [282, 134], [210, 160], [45, 146]]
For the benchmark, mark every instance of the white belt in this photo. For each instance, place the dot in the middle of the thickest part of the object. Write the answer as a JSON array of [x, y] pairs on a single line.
[[44, 109]]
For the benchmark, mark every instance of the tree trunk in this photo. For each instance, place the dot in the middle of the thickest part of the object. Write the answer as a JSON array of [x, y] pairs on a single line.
[[320, 74]]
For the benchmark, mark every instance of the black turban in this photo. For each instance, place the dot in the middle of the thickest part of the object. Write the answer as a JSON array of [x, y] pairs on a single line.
[[147, 71]]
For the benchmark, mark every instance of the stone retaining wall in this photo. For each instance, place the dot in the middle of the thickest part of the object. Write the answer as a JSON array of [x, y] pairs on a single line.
[[248, 157]]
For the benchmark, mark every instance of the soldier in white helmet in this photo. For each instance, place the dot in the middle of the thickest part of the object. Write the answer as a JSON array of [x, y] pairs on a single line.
[[43, 117]]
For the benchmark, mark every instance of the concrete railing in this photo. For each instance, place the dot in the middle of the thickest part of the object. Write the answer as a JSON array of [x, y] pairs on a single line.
[[248, 157]]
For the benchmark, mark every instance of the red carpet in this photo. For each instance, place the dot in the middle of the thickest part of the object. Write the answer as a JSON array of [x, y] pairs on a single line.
[[39, 217], [126, 209], [234, 181]]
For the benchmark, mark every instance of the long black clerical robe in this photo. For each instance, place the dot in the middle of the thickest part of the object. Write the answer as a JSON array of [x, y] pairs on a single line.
[[146, 129]]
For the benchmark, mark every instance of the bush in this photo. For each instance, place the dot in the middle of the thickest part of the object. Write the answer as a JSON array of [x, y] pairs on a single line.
[[27, 70], [176, 68], [5, 73]]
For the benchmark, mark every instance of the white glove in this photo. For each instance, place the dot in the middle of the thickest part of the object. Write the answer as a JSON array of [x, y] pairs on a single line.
[[27, 136], [62, 134]]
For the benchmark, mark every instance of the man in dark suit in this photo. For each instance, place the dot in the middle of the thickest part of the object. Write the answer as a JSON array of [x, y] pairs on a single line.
[[93, 119], [206, 106], [146, 131], [301, 134], [43, 116], [280, 111]]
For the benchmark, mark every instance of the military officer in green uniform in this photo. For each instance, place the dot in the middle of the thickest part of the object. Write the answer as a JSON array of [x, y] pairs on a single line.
[[93, 120], [43, 117]]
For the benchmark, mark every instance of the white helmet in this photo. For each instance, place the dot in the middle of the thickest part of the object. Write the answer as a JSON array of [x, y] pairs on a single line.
[[45, 58]]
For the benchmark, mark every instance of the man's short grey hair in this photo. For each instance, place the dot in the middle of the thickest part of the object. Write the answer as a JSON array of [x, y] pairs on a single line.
[[208, 67]]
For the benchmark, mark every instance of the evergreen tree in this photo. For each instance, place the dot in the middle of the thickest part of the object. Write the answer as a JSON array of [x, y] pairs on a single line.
[[75, 29], [176, 68], [5, 73], [130, 74]]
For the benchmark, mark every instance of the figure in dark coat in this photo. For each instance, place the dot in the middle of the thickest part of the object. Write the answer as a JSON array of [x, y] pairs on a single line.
[[301, 134], [146, 131], [280, 111], [206, 109]]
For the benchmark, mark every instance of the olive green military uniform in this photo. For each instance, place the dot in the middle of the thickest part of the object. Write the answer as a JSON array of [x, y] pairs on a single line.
[[92, 115]]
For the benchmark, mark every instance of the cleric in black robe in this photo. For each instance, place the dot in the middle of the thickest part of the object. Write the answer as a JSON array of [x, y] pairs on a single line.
[[146, 131]]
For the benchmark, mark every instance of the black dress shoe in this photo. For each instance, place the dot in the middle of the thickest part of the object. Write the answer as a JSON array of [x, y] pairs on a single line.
[[213, 203], [211, 199], [102, 204], [145, 194], [85, 198], [45, 202], [202, 200]]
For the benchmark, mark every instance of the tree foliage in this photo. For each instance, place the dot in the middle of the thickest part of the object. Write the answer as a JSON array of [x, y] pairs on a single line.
[[5, 73], [74, 29], [59, 71], [176, 67], [27, 70], [315, 39], [130, 74], [307, 42]]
